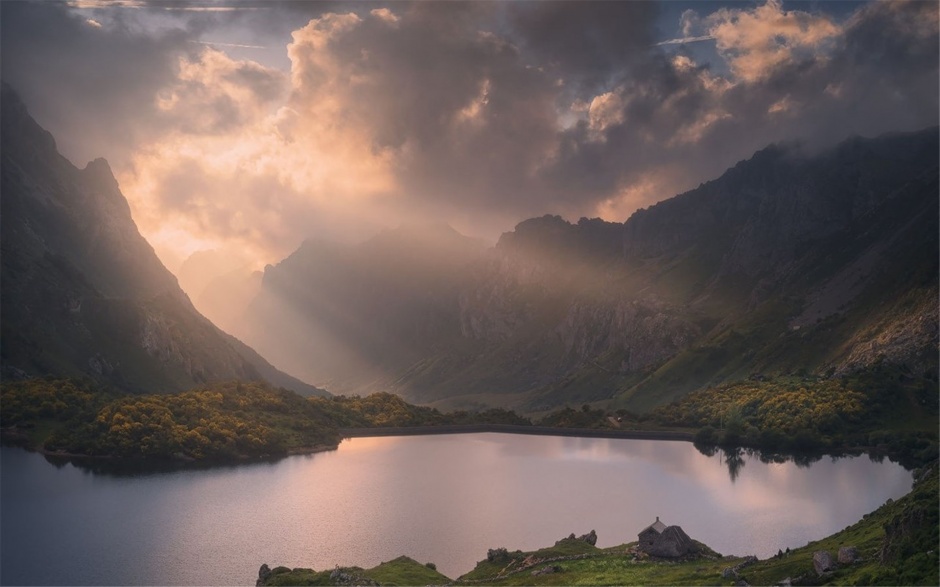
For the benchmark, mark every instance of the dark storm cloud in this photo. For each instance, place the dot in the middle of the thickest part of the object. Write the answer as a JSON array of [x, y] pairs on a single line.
[[467, 121], [880, 75], [478, 113], [585, 43], [93, 88]]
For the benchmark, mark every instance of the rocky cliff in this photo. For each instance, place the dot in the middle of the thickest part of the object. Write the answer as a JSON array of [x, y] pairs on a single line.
[[83, 292], [790, 261]]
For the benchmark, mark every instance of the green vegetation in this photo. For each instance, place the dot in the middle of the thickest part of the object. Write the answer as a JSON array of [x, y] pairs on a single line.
[[401, 571], [567, 417], [883, 411], [223, 421], [879, 409], [389, 410], [897, 545], [405, 571]]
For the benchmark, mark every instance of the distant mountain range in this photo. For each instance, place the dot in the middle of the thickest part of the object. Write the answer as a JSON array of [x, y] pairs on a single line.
[[790, 262], [83, 293]]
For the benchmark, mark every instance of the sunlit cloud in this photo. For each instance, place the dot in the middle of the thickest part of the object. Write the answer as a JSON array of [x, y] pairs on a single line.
[[755, 41], [476, 114]]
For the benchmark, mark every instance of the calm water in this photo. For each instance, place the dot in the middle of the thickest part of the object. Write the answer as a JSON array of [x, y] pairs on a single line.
[[445, 499]]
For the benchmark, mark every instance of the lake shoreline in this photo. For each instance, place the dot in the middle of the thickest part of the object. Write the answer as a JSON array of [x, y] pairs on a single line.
[[670, 435]]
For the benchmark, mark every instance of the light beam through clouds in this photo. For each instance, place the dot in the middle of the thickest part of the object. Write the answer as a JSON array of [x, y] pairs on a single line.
[[479, 114]]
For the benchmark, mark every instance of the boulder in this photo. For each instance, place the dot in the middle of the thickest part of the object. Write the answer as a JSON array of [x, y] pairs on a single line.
[[546, 570], [847, 555], [822, 562], [673, 542], [497, 555], [341, 576], [263, 573], [590, 537]]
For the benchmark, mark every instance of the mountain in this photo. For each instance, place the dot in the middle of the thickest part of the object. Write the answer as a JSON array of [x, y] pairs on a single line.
[[352, 316], [790, 262], [221, 285], [83, 293]]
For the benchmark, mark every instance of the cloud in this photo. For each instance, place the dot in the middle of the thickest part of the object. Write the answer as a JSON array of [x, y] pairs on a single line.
[[756, 41], [93, 85], [478, 114]]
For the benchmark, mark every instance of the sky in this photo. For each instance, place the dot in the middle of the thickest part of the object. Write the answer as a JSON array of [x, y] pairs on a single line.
[[250, 126]]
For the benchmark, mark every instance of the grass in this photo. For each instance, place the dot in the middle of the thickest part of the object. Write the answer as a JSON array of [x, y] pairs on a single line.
[[405, 571], [398, 572], [917, 565]]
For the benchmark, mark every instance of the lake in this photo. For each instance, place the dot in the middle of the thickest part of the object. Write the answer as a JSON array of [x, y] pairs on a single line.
[[444, 499]]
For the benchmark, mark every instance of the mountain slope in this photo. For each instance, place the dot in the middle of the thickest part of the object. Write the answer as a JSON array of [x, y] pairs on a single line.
[[350, 316], [789, 262], [83, 293]]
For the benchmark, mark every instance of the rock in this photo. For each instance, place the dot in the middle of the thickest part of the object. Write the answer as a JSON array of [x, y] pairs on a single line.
[[822, 562], [263, 573], [785, 583], [727, 573], [847, 555], [590, 537], [901, 530], [547, 570], [742, 583], [496, 555], [341, 576], [672, 542]]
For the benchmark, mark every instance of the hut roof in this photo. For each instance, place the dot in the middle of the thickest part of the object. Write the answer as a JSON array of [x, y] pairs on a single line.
[[657, 526]]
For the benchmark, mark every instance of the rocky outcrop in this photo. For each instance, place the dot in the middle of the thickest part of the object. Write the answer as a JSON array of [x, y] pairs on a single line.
[[903, 528], [497, 555], [263, 573], [342, 576], [822, 562], [847, 555], [590, 538], [729, 572], [546, 570], [642, 332]]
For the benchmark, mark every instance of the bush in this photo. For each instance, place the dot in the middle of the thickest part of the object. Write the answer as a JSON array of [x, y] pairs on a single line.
[[706, 436]]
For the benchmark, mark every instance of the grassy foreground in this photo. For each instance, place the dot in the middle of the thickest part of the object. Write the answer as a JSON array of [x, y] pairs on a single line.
[[897, 544]]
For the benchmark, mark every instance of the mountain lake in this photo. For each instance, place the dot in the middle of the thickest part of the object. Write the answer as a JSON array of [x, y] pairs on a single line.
[[444, 499]]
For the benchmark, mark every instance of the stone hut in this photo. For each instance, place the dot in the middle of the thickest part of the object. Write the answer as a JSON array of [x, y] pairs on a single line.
[[661, 540]]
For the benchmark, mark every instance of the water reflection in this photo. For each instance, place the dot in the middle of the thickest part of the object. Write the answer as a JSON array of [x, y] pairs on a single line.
[[444, 499], [734, 459], [143, 468]]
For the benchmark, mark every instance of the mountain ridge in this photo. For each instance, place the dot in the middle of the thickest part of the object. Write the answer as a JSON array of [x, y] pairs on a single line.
[[84, 293], [788, 261]]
